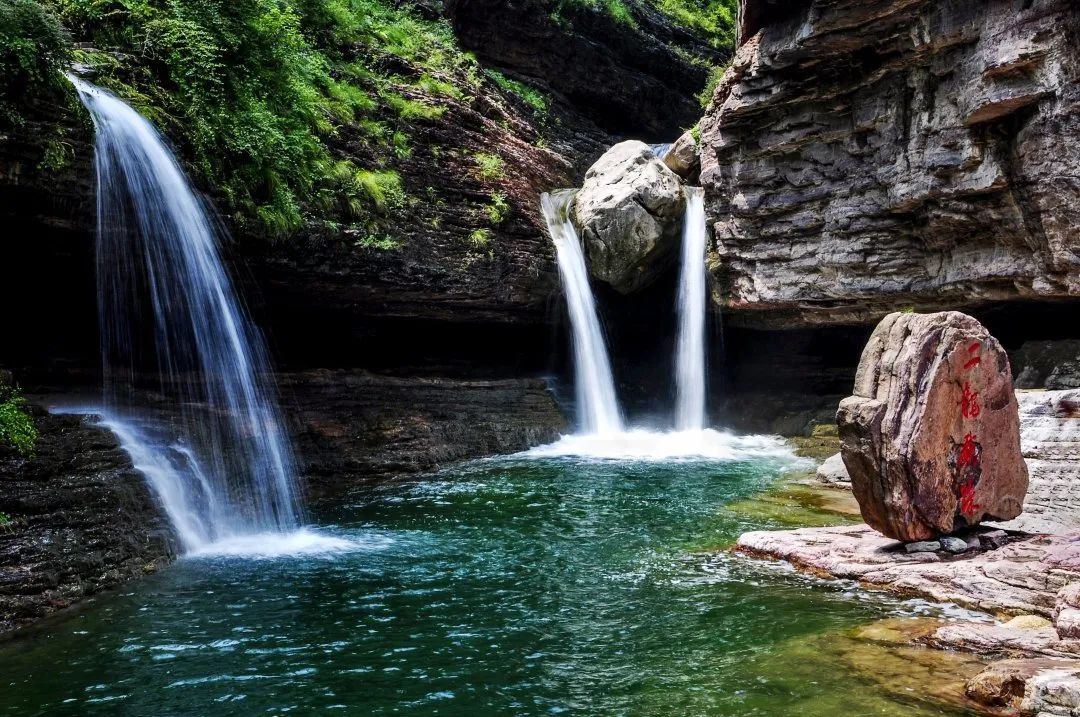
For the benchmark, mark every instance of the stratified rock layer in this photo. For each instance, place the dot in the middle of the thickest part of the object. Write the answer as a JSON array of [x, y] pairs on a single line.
[[628, 213], [353, 427], [861, 157], [931, 436], [82, 520]]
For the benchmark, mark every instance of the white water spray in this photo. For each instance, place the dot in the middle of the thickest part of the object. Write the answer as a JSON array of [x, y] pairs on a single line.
[[597, 405], [228, 471], [690, 348]]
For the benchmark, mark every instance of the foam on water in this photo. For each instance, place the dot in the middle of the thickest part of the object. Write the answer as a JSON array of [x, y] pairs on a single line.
[[645, 445], [298, 543]]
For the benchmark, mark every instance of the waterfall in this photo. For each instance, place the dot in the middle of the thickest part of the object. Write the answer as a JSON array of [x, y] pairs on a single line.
[[228, 469], [690, 349], [597, 406]]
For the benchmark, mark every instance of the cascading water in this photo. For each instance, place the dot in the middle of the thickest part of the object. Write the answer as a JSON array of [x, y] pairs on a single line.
[[660, 150], [603, 435], [230, 471], [690, 348], [597, 405]]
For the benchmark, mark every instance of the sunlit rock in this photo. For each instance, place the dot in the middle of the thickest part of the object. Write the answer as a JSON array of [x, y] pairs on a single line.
[[629, 213], [682, 158], [931, 436]]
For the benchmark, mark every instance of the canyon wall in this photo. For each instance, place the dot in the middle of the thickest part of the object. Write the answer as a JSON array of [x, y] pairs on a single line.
[[863, 157]]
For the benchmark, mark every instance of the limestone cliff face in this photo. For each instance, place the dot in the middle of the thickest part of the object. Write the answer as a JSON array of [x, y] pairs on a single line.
[[860, 157]]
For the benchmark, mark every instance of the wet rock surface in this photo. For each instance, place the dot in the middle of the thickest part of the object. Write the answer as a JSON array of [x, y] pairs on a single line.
[[931, 436], [353, 427], [82, 520], [863, 157], [629, 214]]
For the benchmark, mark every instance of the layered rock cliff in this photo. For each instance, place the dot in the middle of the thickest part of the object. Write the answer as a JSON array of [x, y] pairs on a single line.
[[78, 519], [860, 157]]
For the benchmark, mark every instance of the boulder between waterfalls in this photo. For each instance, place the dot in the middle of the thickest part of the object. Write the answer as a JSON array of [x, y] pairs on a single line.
[[629, 212], [931, 437], [682, 158]]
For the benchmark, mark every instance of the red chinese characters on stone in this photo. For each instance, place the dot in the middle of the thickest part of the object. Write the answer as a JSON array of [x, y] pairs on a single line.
[[969, 402], [968, 506], [969, 454], [975, 360]]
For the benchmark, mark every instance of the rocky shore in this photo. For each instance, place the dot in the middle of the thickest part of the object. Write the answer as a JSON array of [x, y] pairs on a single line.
[[78, 520]]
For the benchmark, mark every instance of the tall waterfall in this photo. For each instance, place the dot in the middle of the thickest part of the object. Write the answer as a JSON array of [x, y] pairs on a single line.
[[690, 349], [159, 268], [597, 406]]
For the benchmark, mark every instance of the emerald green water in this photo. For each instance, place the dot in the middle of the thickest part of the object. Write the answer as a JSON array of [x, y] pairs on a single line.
[[506, 587]]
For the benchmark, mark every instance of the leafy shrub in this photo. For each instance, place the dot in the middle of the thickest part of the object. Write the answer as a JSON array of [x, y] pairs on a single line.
[[490, 166], [617, 9], [499, 208], [382, 187], [252, 90], [716, 20], [715, 75], [34, 50], [480, 238], [16, 427]]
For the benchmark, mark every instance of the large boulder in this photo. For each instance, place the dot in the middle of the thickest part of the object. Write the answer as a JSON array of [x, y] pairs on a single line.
[[629, 212], [931, 436]]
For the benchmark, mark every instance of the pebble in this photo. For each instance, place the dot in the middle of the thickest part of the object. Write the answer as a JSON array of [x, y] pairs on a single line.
[[923, 546], [994, 539], [954, 545]]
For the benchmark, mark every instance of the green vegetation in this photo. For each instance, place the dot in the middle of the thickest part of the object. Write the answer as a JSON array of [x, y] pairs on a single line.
[[534, 98], [254, 92], [715, 75], [714, 19], [383, 188], [381, 243], [499, 208], [16, 427], [481, 238], [617, 9], [490, 166], [412, 109], [33, 53], [5, 521]]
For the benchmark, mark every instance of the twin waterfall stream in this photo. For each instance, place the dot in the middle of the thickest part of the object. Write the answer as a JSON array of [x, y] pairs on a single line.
[[597, 403]]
